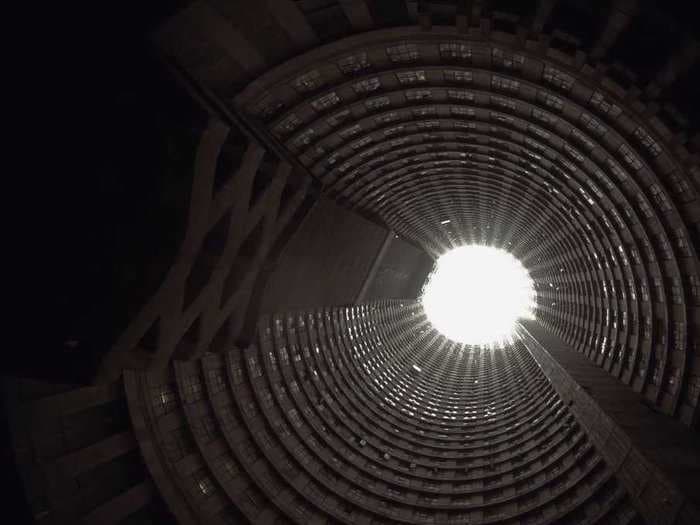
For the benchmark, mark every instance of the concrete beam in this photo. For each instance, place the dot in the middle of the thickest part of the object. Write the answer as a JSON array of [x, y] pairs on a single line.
[[83, 460]]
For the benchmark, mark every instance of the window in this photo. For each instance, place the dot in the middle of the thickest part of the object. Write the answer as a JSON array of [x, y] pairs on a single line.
[[254, 366], [503, 102], [377, 103], [551, 101], [648, 142], [544, 117], [659, 196], [694, 288], [455, 75], [507, 60], [164, 400], [539, 132], [325, 102], [558, 78], [308, 81], [500, 117], [410, 77], [428, 124], [394, 130], [457, 50], [681, 186], [593, 125], [361, 143], [204, 484], [599, 102], [231, 468], [288, 124], [267, 106], [630, 157], [204, 429], [504, 84], [367, 85], [402, 53], [338, 118], [349, 132], [465, 112], [424, 112], [353, 63], [573, 153], [581, 138], [304, 138], [460, 94], [418, 94], [616, 170], [216, 380], [676, 290], [192, 389]]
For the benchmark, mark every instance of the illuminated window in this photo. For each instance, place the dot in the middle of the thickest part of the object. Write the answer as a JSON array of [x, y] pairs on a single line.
[[325, 102], [367, 85], [558, 78], [410, 77], [402, 53], [505, 84], [593, 125], [507, 60], [630, 157], [551, 101], [601, 104], [289, 124], [418, 94], [353, 63], [454, 75], [378, 102], [460, 94], [308, 81], [648, 141], [455, 50]]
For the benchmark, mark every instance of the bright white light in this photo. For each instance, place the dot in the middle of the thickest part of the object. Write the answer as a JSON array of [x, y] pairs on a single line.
[[477, 293]]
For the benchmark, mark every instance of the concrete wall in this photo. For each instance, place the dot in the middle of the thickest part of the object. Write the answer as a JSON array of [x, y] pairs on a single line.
[[400, 273], [655, 457], [330, 257]]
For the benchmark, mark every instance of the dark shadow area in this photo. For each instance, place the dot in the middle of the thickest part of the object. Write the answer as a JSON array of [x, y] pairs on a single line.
[[115, 150]]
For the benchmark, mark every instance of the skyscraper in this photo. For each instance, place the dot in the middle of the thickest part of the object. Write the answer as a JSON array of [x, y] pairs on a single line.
[[283, 369]]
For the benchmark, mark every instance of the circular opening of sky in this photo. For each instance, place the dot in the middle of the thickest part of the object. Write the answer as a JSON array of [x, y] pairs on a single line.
[[476, 295]]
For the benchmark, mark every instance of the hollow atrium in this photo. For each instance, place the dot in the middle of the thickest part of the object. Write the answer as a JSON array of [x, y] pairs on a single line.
[[267, 356]]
